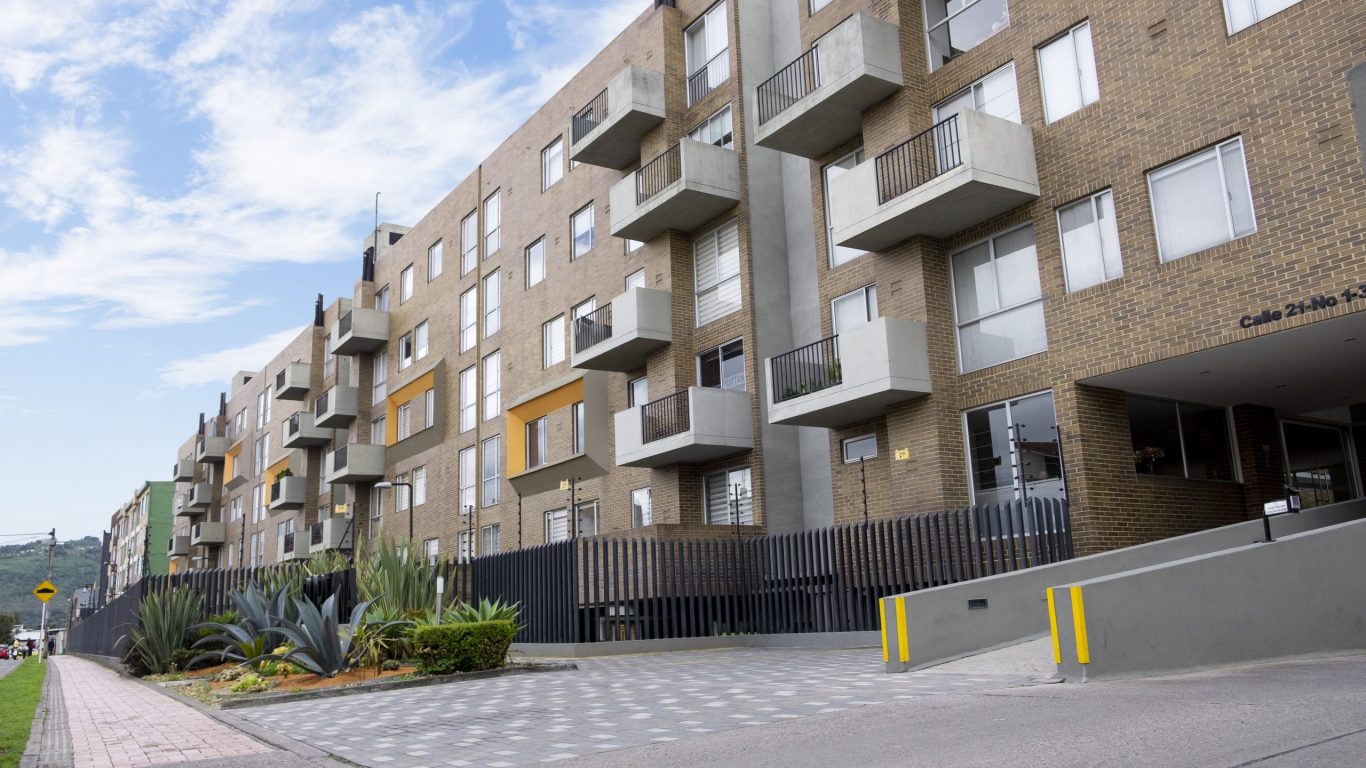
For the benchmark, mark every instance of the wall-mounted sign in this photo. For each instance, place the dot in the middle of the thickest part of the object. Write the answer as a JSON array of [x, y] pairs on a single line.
[[1312, 304], [341, 510], [902, 454]]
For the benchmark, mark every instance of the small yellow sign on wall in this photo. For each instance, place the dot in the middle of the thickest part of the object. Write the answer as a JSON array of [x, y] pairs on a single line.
[[902, 454], [341, 509], [564, 485]]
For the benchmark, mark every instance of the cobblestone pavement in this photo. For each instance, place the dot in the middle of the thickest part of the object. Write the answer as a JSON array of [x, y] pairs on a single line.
[[608, 704], [117, 723]]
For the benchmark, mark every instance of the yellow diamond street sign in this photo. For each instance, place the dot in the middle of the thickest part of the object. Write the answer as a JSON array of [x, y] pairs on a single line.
[[45, 591]]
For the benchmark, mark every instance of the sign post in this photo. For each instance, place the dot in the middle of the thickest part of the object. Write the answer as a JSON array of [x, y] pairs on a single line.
[[44, 592]]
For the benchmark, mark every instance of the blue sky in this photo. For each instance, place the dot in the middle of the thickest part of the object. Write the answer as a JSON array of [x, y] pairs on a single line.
[[179, 179]]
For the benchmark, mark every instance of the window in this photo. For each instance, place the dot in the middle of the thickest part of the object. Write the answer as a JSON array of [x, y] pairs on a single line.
[[994, 94], [816, 5], [1067, 71], [581, 225], [997, 300], [260, 410], [638, 391], [556, 525], [854, 309], [402, 493], [467, 398], [641, 512], [379, 370], [405, 421], [492, 489], [463, 553], [839, 254], [431, 550], [420, 339], [552, 163], [258, 457], [258, 504], [1090, 241], [705, 48], [405, 351], [434, 261], [377, 427], [636, 279], [861, 447], [329, 364], [420, 485], [492, 385], [1013, 451], [716, 130], [490, 539], [235, 509], [726, 496], [429, 408], [469, 319], [576, 413], [1241, 14], [552, 342], [382, 299], [493, 304], [241, 422], [535, 262], [493, 225], [953, 27], [1202, 201], [633, 245], [376, 513], [536, 438], [258, 549], [1180, 439], [405, 284], [723, 367], [467, 474], [587, 514], [469, 243], [716, 259]]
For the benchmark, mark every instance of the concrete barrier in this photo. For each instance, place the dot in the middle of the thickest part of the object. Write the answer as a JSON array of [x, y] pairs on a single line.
[[1301, 594], [931, 626]]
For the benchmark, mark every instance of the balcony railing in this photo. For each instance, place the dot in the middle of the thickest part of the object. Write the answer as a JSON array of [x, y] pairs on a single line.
[[275, 490], [665, 417], [659, 173], [289, 543], [710, 75], [292, 426], [790, 84], [315, 533], [590, 117], [931, 153], [280, 380], [593, 328], [344, 324], [807, 369], [339, 459], [319, 409]]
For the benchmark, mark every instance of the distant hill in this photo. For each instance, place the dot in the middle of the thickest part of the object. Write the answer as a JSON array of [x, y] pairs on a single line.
[[22, 566]]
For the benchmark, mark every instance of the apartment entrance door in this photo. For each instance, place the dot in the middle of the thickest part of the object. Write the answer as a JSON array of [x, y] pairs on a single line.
[[1319, 462]]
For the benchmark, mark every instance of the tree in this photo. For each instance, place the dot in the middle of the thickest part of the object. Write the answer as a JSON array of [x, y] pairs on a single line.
[[7, 622]]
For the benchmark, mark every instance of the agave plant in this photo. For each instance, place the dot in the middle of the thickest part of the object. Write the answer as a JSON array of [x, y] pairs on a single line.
[[320, 644], [247, 638], [162, 627], [462, 612], [397, 579]]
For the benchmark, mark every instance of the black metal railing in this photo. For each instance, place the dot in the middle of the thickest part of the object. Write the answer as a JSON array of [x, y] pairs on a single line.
[[343, 325], [665, 417], [708, 76], [588, 118], [195, 530], [790, 84], [593, 328], [659, 173], [275, 490], [315, 534], [289, 543], [292, 426], [170, 546], [908, 165], [807, 369], [320, 405]]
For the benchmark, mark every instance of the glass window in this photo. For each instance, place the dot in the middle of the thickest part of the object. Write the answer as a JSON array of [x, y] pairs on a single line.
[[493, 303], [491, 539], [467, 474], [429, 408], [854, 309], [954, 27], [1202, 201], [552, 163], [716, 261], [1242, 14], [576, 413], [862, 447], [705, 50], [377, 431], [723, 367], [997, 301], [405, 351], [636, 279], [537, 437], [727, 493], [405, 421], [434, 261], [994, 94], [492, 385], [405, 284], [556, 525], [816, 5], [469, 319], [552, 342], [634, 245], [382, 299], [838, 254], [638, 391], [1090, 241], [588, 518], [402, 494], [462, 547], [642, 513], [420, 339], [431, 550], [716, 130], [467, 398], [1067, 70], [469, 243], [1013, 450], [492, 489], [420, 485], [493, 225], [1180, 439], [582, 226], [379, 375], [535, 262]]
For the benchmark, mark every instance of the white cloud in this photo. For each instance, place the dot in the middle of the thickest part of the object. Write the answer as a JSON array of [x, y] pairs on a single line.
[[218, 367]]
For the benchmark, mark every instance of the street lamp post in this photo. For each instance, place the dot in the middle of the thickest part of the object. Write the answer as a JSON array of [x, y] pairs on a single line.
[[409, 486]]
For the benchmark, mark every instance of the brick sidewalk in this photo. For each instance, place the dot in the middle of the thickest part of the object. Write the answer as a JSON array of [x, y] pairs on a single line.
[[117, 723]]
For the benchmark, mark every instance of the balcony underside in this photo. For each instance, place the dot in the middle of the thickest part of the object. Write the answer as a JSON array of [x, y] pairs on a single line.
[[952, 203], [683, 206]]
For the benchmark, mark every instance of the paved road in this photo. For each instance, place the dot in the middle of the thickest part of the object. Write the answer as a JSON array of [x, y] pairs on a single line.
[[609, 704]]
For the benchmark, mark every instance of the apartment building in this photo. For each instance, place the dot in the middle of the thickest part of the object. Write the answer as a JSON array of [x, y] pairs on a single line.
[[760, 261], [135, 534]]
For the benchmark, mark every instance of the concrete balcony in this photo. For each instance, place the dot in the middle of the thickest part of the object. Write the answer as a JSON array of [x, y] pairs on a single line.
[[619, 336], [607, 131], [199, 497], [291, 546], [210, 534], [694, 425], [183, 508], [210, 450], [959, 173], [183, 472], [330, 533], [335, 408], [300, 432], [684, 188], [288, 493], [360, 330], [179, 546], [850, 377], [291, 383], [816, 103], [355, 463]]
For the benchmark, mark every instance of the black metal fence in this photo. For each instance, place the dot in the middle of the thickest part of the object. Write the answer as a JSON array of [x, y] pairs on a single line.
[[928, 154], [807, 369], [708, 76], [593, 328], [665, 417], [659, 173], [588, 118], [787, 86]]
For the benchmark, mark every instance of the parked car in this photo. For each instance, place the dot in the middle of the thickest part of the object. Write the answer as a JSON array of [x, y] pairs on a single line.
[[4, 652]]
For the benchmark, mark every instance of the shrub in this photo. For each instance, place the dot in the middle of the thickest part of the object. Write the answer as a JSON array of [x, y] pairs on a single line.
[[448, 648], [463, 613], [231, 673], [162, 627], [397, 579], [183, 659], [250, 683], [390, 665]]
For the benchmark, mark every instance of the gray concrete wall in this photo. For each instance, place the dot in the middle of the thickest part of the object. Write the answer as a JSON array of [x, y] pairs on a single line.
[[1301, 594], [832, 640], [940, 625]]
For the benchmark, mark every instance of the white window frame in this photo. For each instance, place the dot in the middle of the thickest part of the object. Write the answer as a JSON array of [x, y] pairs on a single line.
[[469, 398], [869, 296], [552, 163], [429, 409], [722, 120], [493, 303], [1095, 202], [419, 485], [405, 350], [838, 254], [730, 513], [591, 231], [537, 446], [469, 319], [717, 62], [468, 460], [493, 384], [719, 349], [577, 426], [404, 414], [978, 90], [379, 375], [490, 538], [1071, 39], [535, 262], [493, 223], [553, 342], [846, 442], [947, 21], [1194, 159], [434, 261], [382, 299], [959, 324], [491, 480], [648, 516], [636, 279], [421, 340], [469, 243], [1258, 16], [431, 551], [699, 290], [405, 285]]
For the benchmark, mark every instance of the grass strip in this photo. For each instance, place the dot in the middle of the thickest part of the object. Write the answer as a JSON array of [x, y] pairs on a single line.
[[18, 701]]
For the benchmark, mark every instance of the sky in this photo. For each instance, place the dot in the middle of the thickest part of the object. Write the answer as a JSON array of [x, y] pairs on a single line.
[[178, 180]]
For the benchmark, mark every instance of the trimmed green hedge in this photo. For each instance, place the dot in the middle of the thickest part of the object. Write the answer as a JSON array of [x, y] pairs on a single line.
[[447, 648]]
